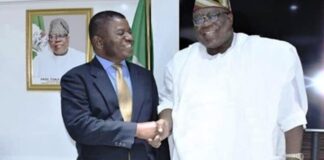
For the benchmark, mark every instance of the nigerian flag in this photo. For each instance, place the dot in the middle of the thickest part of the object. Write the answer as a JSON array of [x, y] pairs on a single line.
[[37, 27], [39, 21], [141, 30]]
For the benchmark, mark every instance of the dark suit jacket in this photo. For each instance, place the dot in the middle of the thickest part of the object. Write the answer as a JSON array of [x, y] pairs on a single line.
[[92, 117]]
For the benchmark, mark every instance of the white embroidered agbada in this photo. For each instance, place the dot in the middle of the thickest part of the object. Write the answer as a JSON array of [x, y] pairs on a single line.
[[49, 68], [236, 105]]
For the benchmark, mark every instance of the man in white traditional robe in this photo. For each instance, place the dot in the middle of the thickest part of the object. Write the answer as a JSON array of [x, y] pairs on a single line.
[[57, 57], [232, 96]]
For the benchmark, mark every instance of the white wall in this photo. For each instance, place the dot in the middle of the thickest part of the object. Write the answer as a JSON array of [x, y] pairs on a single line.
[[165, 19], [31, 127]]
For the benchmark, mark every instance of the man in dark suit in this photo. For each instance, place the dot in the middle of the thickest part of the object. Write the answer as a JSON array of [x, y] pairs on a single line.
[[109, 105]]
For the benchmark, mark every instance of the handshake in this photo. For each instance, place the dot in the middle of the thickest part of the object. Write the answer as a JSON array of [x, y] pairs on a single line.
[[154, 132]]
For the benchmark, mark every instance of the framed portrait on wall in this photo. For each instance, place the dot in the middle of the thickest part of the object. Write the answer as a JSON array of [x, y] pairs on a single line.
[[57, 40]]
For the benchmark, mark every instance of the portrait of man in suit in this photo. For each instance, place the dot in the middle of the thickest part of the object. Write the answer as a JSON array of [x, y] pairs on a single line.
[[109, 105]]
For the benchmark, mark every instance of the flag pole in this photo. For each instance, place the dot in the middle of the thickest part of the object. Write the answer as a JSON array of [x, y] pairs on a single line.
[[148, 33]]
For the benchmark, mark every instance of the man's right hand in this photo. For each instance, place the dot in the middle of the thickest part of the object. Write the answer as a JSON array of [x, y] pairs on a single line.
[[164, 127], [146, 130], [164, 130]]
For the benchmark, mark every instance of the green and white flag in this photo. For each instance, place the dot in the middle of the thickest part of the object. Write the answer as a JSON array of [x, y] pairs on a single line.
[[39, 21], [37, 28], [142, 34]]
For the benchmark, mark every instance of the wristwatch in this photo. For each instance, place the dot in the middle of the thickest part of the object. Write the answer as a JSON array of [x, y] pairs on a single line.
[[295, 156]]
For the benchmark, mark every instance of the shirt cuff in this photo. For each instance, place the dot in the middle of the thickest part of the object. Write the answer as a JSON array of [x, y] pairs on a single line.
[[162, 107], [127, 135], [293, 121]]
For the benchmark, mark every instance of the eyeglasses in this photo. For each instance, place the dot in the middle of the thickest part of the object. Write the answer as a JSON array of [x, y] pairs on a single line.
[[56, 37], [213, 17]]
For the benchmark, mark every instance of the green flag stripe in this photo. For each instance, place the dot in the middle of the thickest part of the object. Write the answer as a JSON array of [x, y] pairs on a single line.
[[141, 31], [39, 21]]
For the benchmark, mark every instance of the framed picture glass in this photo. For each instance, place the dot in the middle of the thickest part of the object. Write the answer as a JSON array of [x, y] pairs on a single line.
[[57, 40]]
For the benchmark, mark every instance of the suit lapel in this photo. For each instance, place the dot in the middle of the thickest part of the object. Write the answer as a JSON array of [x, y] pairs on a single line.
[[138, 93], [103, 84]]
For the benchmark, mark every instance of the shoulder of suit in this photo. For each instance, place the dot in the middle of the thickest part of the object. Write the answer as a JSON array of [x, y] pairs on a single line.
[[136, 67]]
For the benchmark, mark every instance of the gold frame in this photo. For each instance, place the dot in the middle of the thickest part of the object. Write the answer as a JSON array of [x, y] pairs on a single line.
[[29, 50]]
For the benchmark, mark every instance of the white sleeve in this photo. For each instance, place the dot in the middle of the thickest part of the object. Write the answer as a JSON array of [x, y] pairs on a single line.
[[293, 100], [166, 93]]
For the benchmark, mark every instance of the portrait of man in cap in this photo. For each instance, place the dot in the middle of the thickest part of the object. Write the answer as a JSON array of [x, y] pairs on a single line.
[[57, 56]]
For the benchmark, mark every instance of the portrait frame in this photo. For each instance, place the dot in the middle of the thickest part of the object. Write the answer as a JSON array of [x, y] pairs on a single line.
[[38, 41]]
